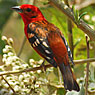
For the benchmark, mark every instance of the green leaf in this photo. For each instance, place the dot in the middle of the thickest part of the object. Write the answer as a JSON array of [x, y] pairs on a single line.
[[82, 15], [77, 16], [61, 91], [73, 8]]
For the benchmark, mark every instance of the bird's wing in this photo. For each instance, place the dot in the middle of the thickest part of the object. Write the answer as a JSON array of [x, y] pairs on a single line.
[[68, 49], [37, 36]]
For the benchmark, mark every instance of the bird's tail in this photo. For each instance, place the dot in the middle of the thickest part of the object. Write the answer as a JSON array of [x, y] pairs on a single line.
[[68, 78]]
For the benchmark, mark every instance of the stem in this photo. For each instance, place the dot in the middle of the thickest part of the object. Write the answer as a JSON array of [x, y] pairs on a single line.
[[87, 68], [70, 35], [46, 66], [60, 76], [8, 85]]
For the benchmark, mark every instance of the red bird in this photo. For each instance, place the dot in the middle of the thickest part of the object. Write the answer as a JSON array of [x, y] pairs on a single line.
[[48, 41]]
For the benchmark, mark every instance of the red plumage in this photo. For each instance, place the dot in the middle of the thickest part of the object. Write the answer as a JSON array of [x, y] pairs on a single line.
[[49, 42]]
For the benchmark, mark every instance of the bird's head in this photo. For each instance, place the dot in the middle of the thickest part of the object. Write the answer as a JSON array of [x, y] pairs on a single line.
[[29, 13]]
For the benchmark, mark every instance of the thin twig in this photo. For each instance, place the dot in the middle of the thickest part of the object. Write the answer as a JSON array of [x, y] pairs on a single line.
[[70, 35], [68, 12], [8, 85], [87, 68], [46, 66]]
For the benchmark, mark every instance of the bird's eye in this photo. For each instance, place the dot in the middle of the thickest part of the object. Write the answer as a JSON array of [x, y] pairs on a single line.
[[28, 10]]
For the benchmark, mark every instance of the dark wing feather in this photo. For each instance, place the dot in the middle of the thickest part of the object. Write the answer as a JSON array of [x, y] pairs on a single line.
[[38, 40], [68, 49]]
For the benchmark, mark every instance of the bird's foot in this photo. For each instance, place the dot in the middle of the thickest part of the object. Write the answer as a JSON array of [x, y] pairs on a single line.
[[43, 65]]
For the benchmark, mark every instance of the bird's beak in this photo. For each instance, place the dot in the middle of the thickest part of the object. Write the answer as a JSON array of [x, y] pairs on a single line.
[[17, 8]]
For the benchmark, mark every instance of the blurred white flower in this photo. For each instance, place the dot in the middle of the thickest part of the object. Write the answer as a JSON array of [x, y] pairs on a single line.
[[10, 54], [17, 88], [11, 83], [16, 68], [9, 59], [4, 60], [38, 71], [31, 72], [33, 77], [40, 61], [5, 55], [4, 38], [34, 65], [9, 78], [17, 83], [25, 81], [6, 85], [36, 85], [31, 61], [14, 58], [8, 63], [87, 17], [13, 63], [10, 92], [93, 18], [8, 47], [21, 77], [24, 65], [22, 84], [5, 50], [10, 40]]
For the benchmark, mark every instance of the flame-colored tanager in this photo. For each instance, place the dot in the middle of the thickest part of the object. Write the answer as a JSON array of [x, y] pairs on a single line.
[[48, 41]]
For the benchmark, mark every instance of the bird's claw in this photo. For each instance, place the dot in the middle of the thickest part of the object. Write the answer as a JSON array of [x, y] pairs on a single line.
[[43, 65]]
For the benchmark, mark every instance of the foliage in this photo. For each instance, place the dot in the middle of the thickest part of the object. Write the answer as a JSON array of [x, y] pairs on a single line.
[[78, 16]]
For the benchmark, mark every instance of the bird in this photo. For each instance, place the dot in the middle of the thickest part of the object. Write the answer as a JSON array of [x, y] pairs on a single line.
[[49, 42]]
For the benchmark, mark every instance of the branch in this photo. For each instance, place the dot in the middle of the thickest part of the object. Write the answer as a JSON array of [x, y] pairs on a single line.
[[84, 4], [87, 68], [46, 66], [68, 12]]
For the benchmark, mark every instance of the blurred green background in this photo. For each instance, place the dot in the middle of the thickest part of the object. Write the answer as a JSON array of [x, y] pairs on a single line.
[[11, 25]]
